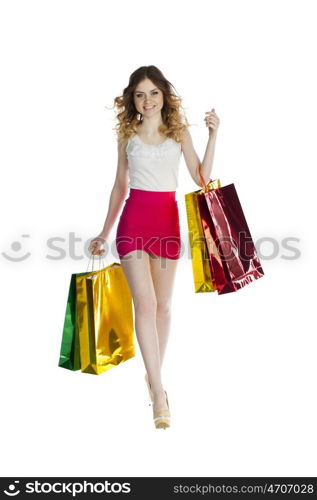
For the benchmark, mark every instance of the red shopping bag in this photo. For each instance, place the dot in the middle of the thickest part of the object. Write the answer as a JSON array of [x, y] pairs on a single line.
[[233, 259]]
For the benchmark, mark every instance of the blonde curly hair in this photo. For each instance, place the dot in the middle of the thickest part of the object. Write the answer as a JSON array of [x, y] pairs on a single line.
[[174, 121]]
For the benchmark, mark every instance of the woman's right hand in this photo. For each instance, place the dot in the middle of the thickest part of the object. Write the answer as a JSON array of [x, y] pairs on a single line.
[[95, 245]]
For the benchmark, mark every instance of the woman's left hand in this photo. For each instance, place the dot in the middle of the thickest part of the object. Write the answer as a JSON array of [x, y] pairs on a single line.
[[212, 121]]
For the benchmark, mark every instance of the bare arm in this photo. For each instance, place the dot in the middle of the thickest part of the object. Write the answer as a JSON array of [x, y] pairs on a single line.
[[118, 192], [192, 160]]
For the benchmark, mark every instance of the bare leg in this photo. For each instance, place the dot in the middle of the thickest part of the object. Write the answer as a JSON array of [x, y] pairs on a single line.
[[136, 267], [163, 272]]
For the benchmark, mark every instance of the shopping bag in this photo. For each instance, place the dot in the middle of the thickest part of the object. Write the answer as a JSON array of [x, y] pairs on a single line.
[[69, 357], [104, 319], [232, 254], [201, 269]]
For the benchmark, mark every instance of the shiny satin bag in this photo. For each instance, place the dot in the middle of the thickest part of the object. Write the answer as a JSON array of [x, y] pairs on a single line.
[[201, 269], [104, 319], [69, 357], [232, 254]]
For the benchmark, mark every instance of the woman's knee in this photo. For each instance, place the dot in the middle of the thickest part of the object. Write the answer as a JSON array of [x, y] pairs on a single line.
[[163, 307], [145, 305]]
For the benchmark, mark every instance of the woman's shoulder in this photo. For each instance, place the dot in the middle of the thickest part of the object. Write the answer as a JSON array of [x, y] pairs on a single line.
[[122, 143], [185, 135]]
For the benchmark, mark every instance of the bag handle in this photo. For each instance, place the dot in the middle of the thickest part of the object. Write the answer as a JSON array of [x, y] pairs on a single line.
[[205, 186], [99, 260], [211, 185]]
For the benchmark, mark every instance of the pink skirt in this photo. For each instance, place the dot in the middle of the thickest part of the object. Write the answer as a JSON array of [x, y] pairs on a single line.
[[149, 221]]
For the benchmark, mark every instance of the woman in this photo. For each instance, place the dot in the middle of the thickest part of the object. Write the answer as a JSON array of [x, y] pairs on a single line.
[[152, 134]]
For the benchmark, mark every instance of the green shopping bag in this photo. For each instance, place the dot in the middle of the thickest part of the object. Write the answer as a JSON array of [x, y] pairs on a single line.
[[70, 350]]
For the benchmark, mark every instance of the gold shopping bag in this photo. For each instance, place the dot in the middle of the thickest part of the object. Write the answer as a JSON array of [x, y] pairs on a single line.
[[202, 273], [104, 319]]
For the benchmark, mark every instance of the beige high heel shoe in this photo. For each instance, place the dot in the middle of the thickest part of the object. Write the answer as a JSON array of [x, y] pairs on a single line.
[[149, 389], [162, 418]]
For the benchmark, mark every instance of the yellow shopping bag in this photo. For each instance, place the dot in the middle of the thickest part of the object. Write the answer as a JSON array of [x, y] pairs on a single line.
[[104, 319], [202, 274]]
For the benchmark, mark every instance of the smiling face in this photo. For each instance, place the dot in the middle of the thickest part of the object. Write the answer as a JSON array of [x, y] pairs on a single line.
[[148, 98]]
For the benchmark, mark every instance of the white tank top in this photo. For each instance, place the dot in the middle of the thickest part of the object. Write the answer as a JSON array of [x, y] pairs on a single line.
[[153, 168]]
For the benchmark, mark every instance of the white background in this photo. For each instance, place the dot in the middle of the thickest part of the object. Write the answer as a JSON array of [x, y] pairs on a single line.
[[240, 368]]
